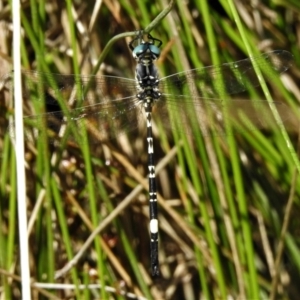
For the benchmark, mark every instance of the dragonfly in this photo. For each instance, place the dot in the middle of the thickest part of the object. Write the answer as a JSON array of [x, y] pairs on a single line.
[[107, 106]]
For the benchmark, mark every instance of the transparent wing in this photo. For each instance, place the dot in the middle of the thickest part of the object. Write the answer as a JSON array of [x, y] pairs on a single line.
[[107, 106], [203, 97], [212, 115], [226, 79]]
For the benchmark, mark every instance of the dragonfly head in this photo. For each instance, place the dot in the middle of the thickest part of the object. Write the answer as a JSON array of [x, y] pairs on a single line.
[[149, 48]]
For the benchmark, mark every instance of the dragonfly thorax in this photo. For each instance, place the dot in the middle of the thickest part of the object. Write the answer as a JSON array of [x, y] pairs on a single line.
[[147, 82]]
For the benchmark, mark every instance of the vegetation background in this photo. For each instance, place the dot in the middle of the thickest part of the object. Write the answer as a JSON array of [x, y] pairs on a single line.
[[229, 205]]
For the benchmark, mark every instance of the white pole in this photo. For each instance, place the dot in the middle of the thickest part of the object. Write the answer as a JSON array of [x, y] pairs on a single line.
[[20, 160]]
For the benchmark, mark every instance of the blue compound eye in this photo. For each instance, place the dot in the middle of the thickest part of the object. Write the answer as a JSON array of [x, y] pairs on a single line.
[[154, 50], [142, 48], [139, 49]]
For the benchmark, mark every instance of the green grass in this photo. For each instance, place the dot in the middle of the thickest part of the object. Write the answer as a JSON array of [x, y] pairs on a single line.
[[228, 204]]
